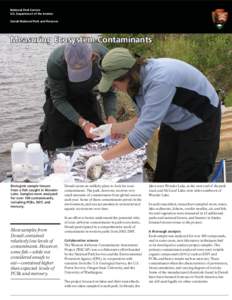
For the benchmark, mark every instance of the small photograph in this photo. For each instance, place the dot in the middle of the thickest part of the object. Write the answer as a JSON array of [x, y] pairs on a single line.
[[220, 17], [116, 108]]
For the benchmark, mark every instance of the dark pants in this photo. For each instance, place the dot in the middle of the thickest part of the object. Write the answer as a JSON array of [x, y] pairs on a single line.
[[58, 132], [188, 156]]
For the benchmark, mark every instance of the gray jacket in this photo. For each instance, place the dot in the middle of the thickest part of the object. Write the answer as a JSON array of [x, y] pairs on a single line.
[[58, 84]]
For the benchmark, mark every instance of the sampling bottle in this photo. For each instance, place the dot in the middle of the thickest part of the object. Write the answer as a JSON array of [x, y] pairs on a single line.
[[19, 161], [35, 162]]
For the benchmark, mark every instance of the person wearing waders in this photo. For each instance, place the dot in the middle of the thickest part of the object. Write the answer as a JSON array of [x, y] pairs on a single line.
[[71, 108], [171, 95]]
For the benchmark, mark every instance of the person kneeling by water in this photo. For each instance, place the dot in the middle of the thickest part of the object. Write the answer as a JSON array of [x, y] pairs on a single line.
[[71, 108]]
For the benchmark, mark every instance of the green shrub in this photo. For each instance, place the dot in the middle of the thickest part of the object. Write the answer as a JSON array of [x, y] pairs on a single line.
[[210, 53], [228, 99]]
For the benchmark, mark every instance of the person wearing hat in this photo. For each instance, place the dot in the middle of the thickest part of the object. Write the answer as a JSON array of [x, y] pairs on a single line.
[[71, 108], [170, 94]]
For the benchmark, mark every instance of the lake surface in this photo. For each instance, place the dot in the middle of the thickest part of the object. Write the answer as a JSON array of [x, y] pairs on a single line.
[[22, 75]]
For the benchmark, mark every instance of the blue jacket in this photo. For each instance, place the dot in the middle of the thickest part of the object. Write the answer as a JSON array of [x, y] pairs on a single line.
[[174, 93]]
